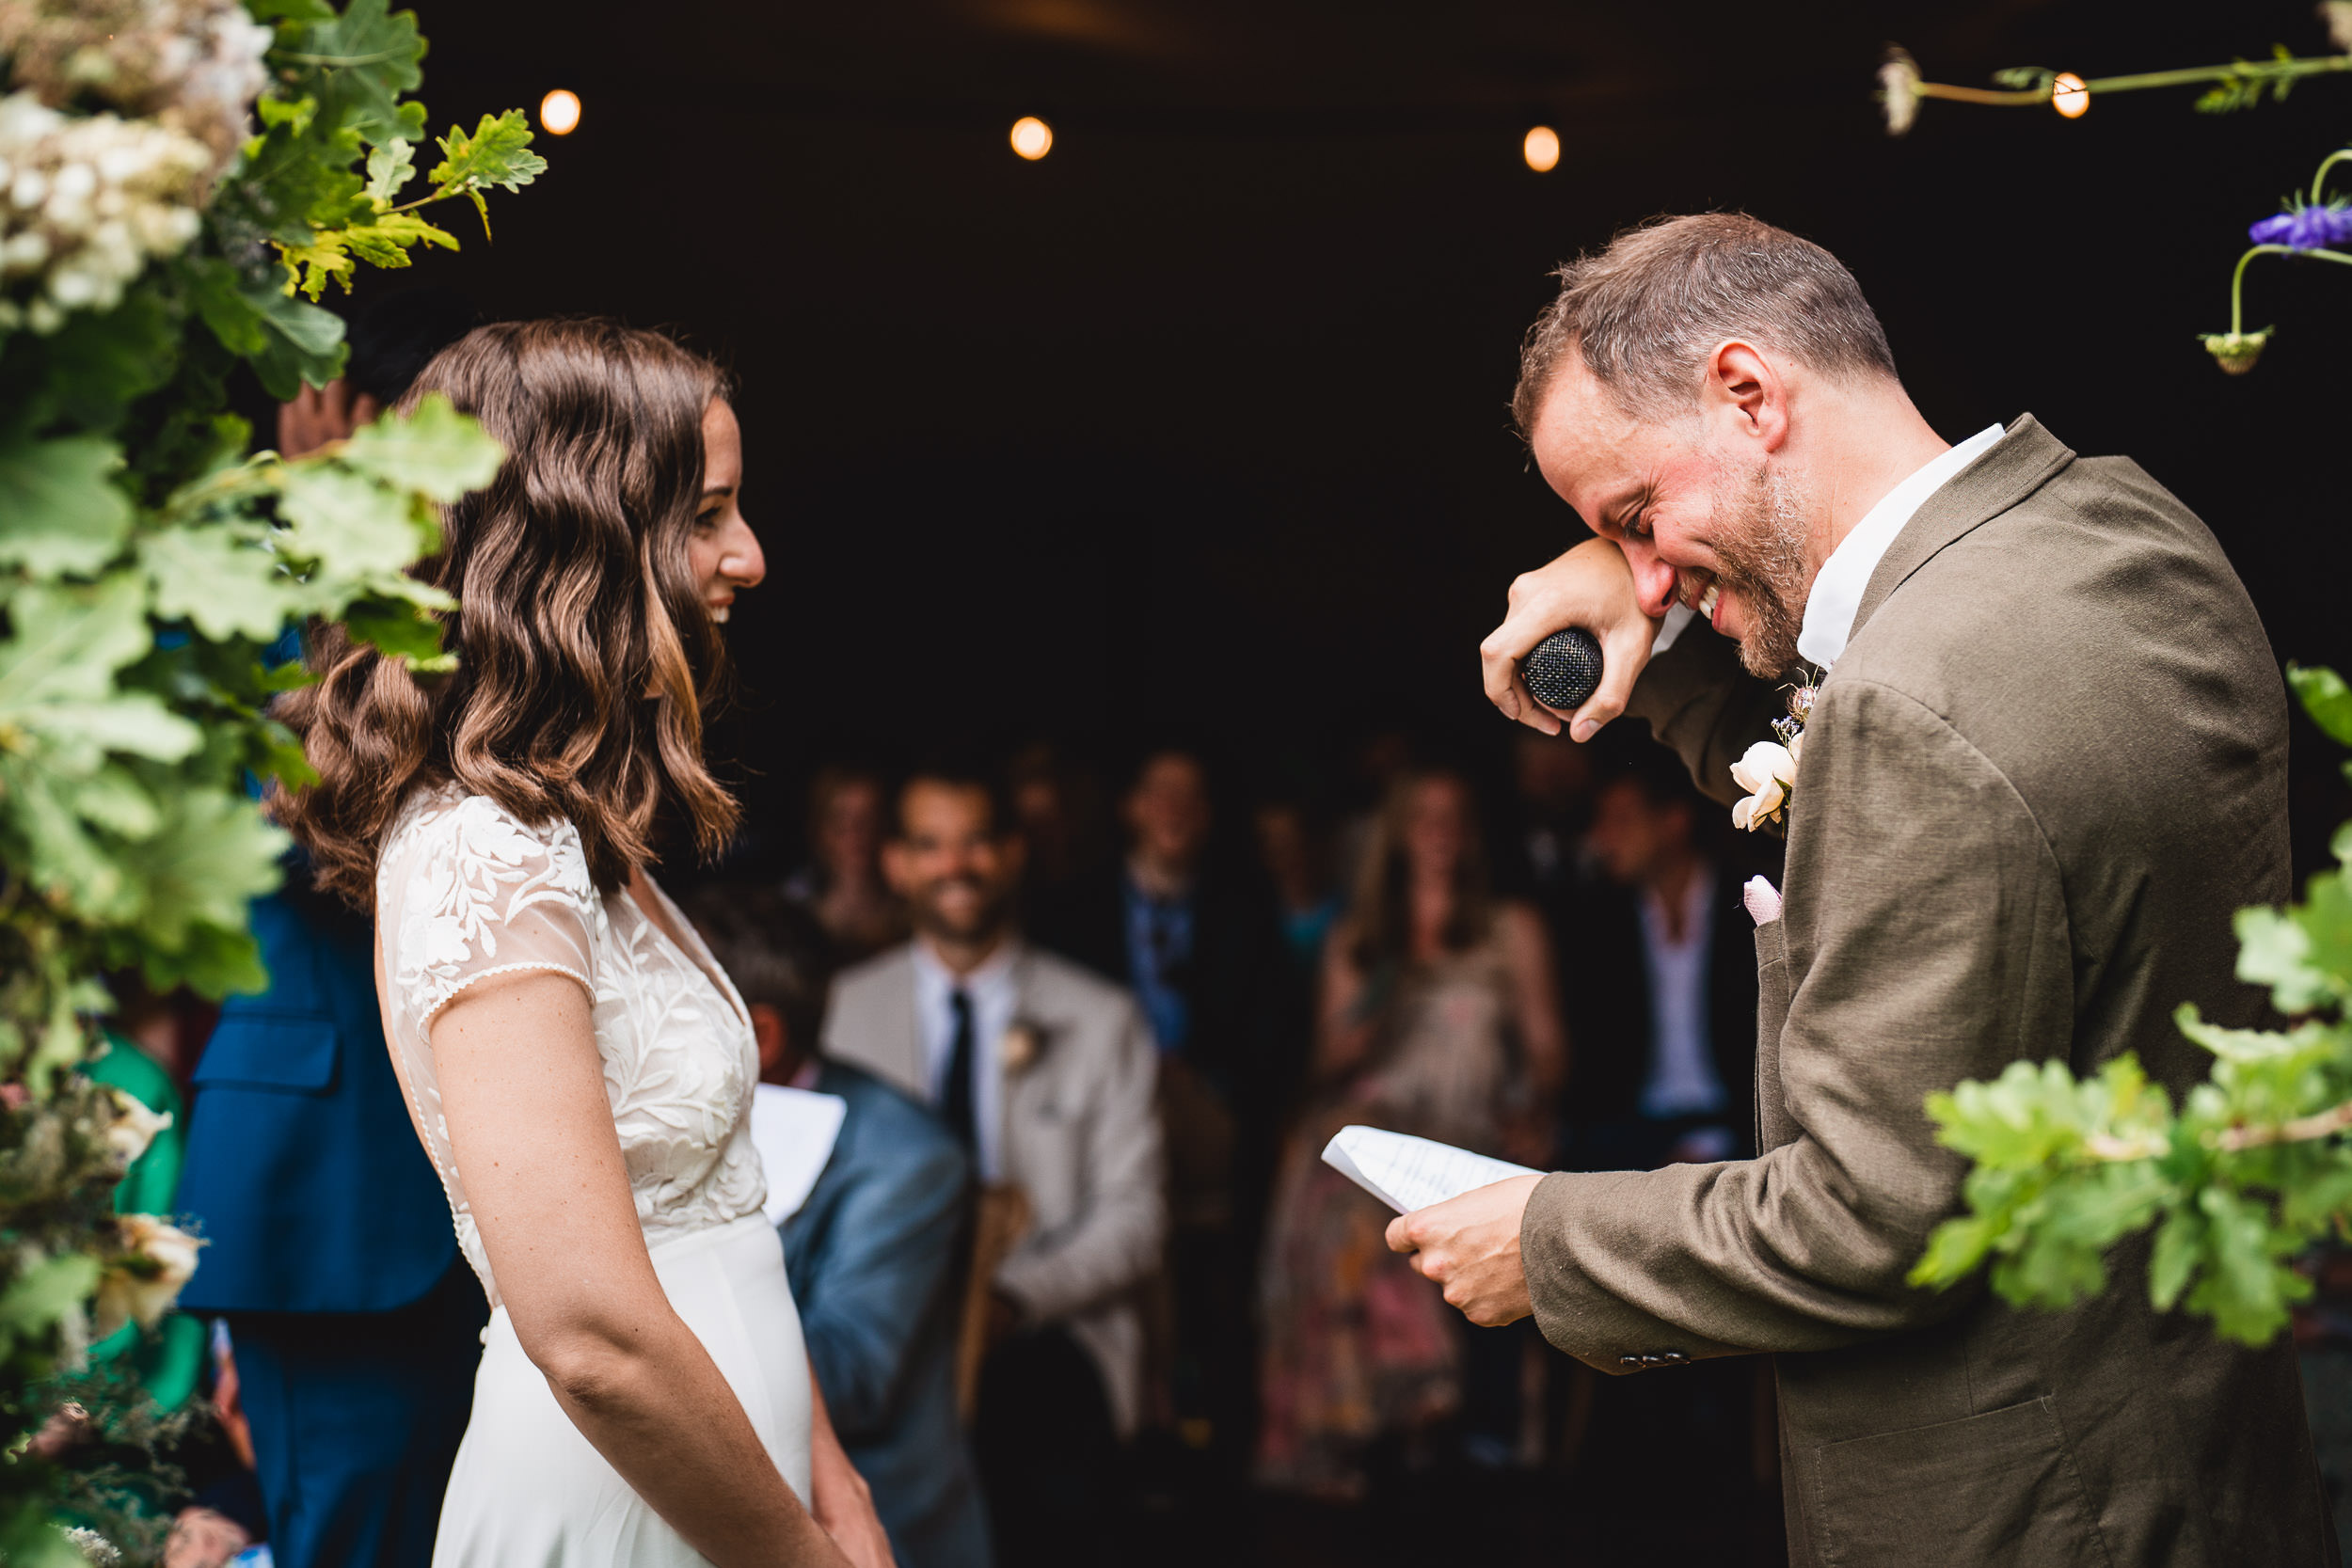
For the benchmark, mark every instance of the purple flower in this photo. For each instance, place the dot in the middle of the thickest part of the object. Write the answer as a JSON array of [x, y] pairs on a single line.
[[2305, 228]]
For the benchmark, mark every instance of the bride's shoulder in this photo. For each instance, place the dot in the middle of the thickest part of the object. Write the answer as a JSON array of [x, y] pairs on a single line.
[[444, 824]]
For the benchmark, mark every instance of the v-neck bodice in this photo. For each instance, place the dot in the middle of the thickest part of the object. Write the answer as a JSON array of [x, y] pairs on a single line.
[[465, 892]]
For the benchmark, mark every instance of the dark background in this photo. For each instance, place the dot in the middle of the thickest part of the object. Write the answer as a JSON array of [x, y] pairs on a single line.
[[1197, 428]]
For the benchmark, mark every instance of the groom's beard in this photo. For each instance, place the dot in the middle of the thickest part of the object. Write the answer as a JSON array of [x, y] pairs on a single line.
[[1757, 533]]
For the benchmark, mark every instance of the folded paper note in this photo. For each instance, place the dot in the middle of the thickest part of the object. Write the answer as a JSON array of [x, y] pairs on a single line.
[[794, 1131], [1407, 1173]]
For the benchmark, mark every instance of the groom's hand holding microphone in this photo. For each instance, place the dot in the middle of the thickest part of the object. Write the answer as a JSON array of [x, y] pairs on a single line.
[[1591, 587]]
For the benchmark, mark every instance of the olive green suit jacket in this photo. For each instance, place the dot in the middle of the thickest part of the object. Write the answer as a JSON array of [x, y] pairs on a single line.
[[2050, 765]]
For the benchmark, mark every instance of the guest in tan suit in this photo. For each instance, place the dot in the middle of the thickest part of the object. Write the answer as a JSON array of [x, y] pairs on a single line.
[[1047, 1073], [2045, 763]]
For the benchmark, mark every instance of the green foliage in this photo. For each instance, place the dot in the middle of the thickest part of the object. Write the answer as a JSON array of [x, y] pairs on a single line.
[[2326, 698], [2238, 1183], [2247, 82], [148, 567], [498, 154], [337, 107]]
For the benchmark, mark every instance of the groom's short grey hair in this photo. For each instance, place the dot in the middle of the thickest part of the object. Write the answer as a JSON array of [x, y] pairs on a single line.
[[1646, 311]]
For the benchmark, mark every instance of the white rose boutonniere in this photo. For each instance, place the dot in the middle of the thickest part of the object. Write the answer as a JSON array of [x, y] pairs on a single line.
[[1767, 772], [1019, 1046], [1768, 769]]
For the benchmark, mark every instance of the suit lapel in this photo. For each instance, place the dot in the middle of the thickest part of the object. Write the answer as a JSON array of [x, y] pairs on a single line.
[[2010, 469], [913, 1058], [1014, 1088]]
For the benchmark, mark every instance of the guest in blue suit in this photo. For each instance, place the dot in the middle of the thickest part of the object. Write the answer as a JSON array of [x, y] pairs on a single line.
[[354, 1324], [872, 1251]]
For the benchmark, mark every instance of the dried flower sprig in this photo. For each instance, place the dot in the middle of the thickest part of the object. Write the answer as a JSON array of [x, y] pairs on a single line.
[[2310, 226], [2239, 85]]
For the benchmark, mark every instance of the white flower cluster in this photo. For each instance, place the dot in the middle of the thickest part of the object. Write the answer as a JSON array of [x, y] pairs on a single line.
[[142, 1287], [196, 65], [84, 202]]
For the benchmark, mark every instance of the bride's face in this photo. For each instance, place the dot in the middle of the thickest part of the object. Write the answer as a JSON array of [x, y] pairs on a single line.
[[723, 552]]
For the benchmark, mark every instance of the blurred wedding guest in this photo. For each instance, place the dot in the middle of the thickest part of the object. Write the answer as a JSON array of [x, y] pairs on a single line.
[[1294, 847], [328, 1249], [1661, 983], [843, 884], [1382, 757], [1552, 780], [871, 1251], [1439, 1017], [1202, 953], [1058, 805], [1044, 1073]]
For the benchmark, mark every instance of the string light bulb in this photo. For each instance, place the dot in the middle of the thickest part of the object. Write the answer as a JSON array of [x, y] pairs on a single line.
[[1541, 149], [2068, 96], [559, 112], [1032, 138]]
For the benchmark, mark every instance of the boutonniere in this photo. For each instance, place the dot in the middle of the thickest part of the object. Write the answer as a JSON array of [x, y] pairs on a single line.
[[1019, 1046], [1768, 769]]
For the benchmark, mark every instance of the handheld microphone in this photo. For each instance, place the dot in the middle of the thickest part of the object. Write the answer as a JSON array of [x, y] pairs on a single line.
[[1563, 671]]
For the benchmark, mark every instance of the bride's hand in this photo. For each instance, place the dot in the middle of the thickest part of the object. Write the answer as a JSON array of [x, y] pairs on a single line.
[[843, 1503]]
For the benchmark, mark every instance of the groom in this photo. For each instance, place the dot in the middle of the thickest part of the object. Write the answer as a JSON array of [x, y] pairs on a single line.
[[2047, 764]]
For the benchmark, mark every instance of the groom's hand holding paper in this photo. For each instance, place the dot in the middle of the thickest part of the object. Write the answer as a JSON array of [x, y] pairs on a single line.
[[1461, 1224], [1470, 1245]]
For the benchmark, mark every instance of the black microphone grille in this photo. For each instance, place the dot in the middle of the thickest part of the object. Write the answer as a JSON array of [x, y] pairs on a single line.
[[1562, 670]]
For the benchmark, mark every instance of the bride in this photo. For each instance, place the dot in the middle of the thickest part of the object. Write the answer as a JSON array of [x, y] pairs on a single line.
[[578, 1066]]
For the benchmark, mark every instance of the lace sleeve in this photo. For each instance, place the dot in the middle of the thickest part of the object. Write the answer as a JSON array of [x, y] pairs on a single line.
[[467, 892]]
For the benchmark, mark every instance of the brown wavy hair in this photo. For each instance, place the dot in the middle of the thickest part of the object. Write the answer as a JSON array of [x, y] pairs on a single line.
[[1381, 919], [585, 654]]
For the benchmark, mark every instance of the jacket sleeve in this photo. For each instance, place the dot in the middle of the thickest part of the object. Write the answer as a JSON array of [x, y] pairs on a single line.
[[1703, 703], [1117, 1238], [872, 1288], [1926, 932]]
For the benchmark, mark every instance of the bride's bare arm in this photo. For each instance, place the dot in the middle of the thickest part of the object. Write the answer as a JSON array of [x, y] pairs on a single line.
[[532, 1131], [844, 1504]]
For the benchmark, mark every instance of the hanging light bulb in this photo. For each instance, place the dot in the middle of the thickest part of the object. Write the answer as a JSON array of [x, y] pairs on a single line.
[[2068, 96], [1032, 137], [559, 112], [1541, 149]]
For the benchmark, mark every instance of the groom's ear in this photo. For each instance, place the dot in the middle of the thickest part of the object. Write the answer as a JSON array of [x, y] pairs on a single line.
[[1744, 391]]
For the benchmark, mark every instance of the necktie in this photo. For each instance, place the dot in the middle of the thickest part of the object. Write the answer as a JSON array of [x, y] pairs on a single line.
[[955, 1099]]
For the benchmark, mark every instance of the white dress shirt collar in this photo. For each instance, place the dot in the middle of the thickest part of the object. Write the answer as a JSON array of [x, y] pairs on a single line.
[[993, 974], [1844, 577]]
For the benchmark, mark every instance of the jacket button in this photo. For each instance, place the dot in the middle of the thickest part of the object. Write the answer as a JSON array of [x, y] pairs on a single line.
[[1630, 1363], [1651, 1362], [1675, 1358]]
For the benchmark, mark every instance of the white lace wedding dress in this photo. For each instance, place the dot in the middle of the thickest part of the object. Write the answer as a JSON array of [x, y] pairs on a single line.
[[464, 892]]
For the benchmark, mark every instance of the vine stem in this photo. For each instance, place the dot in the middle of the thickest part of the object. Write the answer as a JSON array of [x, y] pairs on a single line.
[[2319, 181], [2229, 1140], [2237, 278], [338, 62], [2320, 1124], [2273, 70], [1977, 95], [2107, 1146], [2238, 284]]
